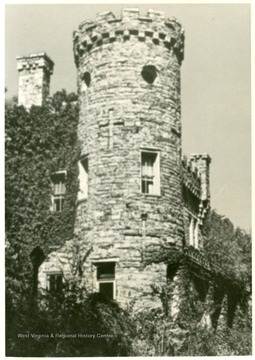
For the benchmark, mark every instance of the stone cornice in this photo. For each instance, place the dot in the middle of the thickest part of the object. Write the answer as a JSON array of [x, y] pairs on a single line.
[[34, 61]]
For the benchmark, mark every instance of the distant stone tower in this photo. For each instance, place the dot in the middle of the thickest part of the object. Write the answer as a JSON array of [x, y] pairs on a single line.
[[34, 79], [130, 209]]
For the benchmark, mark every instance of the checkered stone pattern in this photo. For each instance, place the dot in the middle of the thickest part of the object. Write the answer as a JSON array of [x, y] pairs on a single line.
[[109, 29]]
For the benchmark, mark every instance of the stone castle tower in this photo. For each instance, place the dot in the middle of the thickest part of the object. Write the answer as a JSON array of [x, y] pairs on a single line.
[[139, 202], [130, 132]]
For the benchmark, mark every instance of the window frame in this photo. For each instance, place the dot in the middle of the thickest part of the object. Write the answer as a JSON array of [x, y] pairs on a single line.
[[110, 280], [156, 171], [54, 273], [60, 196], [193, 231], [80, 196]]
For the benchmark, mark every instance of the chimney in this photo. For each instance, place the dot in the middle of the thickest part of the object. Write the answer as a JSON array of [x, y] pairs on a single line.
[[34, 79]]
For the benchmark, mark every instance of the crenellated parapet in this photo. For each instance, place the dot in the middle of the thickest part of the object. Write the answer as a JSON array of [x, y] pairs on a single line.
[[153, 28]]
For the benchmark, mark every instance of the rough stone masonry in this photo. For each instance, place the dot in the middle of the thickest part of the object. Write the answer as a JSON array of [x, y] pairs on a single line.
[[140, 200], [34, 78]]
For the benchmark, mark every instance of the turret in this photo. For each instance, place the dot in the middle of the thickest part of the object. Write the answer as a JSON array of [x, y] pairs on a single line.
[[130, 202]]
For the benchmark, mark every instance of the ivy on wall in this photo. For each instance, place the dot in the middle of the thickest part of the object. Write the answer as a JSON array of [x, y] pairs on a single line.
[[39, 142]]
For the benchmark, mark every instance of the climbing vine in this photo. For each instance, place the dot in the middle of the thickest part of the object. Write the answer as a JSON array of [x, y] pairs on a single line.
[[39, 142]]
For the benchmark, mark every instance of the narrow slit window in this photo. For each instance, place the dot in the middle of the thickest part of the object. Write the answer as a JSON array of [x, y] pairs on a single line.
[[150, 173], [193, 231], [83, 179]]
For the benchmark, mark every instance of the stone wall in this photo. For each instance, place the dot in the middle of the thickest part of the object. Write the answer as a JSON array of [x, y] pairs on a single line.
[[34, 79]]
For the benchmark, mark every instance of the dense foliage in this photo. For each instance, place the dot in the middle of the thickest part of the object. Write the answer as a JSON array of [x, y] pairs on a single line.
[[70, 324], [229, 251], [39, 142], [230, 248]]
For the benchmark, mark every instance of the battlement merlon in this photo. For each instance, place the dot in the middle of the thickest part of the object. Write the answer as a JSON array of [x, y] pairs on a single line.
[[35, 61], [202, 163], [155, 26]]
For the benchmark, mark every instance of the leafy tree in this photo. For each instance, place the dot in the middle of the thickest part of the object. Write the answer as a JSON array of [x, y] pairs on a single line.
[[229, 248]]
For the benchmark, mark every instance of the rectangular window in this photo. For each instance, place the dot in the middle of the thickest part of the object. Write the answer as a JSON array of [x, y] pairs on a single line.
[[193, 231], [59, 190], [107, 289], [55, 282], [195, 234], [106, 279], [83, 179], [150, 173], [191, 227]]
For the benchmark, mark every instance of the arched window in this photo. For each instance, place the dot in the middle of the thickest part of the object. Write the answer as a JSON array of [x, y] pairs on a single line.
[[37, 257]]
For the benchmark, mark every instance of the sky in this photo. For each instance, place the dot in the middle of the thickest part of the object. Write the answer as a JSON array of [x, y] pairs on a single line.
[[215, 81]]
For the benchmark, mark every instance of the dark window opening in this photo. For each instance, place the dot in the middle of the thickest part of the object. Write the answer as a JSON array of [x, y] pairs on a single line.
[[171, 272], [201, 286], [106, 271], [149, 73], [37, 257], [106, 279], [86, 78], [106, 288], [55, 283]]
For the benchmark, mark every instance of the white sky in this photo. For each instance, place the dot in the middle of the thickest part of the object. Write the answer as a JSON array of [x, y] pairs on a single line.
[[216, 77]]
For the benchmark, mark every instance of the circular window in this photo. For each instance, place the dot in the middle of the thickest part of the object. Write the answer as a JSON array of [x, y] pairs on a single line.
[[149, 73]]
